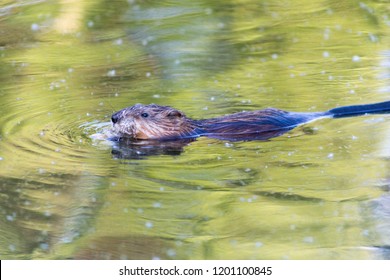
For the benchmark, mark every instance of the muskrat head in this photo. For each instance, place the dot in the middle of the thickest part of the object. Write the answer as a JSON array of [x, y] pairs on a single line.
[[151, 122]]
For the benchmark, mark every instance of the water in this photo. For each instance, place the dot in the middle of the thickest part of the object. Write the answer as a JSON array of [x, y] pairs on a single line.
[[319, 192]]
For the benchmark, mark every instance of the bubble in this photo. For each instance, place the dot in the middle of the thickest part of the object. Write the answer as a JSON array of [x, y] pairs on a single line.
[[308, 239], [149, 224], [10, 218], [356, 58], [41, 171], [171, 252], [111, 73], [208, 11], [118, 41], [258, 244], [35, 27], [157, 205], [44, 246], [12, 247]]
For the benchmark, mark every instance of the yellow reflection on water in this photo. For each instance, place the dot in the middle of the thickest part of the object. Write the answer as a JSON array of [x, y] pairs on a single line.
[[315, 193]]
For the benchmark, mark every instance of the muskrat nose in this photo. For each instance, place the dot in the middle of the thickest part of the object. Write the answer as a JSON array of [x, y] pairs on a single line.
[[115, 118]]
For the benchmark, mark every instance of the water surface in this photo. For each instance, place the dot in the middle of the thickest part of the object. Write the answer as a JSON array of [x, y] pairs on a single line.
[[319, 192]]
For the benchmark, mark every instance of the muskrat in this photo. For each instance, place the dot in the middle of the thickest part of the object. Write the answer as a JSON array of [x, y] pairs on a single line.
[[155, 122]]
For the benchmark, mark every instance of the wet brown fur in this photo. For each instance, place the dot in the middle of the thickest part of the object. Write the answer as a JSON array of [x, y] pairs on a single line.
[[163, 122], [154, 122]]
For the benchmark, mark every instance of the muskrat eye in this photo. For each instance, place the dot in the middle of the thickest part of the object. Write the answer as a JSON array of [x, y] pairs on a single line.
[[144, 115]]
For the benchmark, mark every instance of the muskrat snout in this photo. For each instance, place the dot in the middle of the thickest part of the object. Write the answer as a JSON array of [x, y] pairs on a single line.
[[115, 117]]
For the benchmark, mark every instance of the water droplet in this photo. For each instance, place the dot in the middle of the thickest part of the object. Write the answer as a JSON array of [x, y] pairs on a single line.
[[157, 205], [208, 11], [111, 73], [41, 171], [373, 38], [356, 58], [149, 224], [44, 246], [171, 252], [308, 239], [12, 247], [258, 244], [35, 27], [326, 54], [10, 218], [118, 41]]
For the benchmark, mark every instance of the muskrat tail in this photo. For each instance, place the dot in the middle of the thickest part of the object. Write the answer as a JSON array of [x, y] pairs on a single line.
[[357, 110]]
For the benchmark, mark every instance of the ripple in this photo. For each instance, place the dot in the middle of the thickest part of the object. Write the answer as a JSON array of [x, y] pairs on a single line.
[[34, 139], [97, 130]]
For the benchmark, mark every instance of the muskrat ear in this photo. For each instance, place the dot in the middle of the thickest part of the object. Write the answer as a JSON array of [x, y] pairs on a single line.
[[175, 113]]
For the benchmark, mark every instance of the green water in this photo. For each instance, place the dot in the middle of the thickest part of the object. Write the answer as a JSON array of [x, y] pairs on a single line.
[[320, 191]]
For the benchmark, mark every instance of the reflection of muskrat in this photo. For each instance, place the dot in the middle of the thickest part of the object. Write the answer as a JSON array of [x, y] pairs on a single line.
[[166, 123]]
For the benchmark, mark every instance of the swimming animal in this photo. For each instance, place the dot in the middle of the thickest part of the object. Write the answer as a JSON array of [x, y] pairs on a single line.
[[155, 122]]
